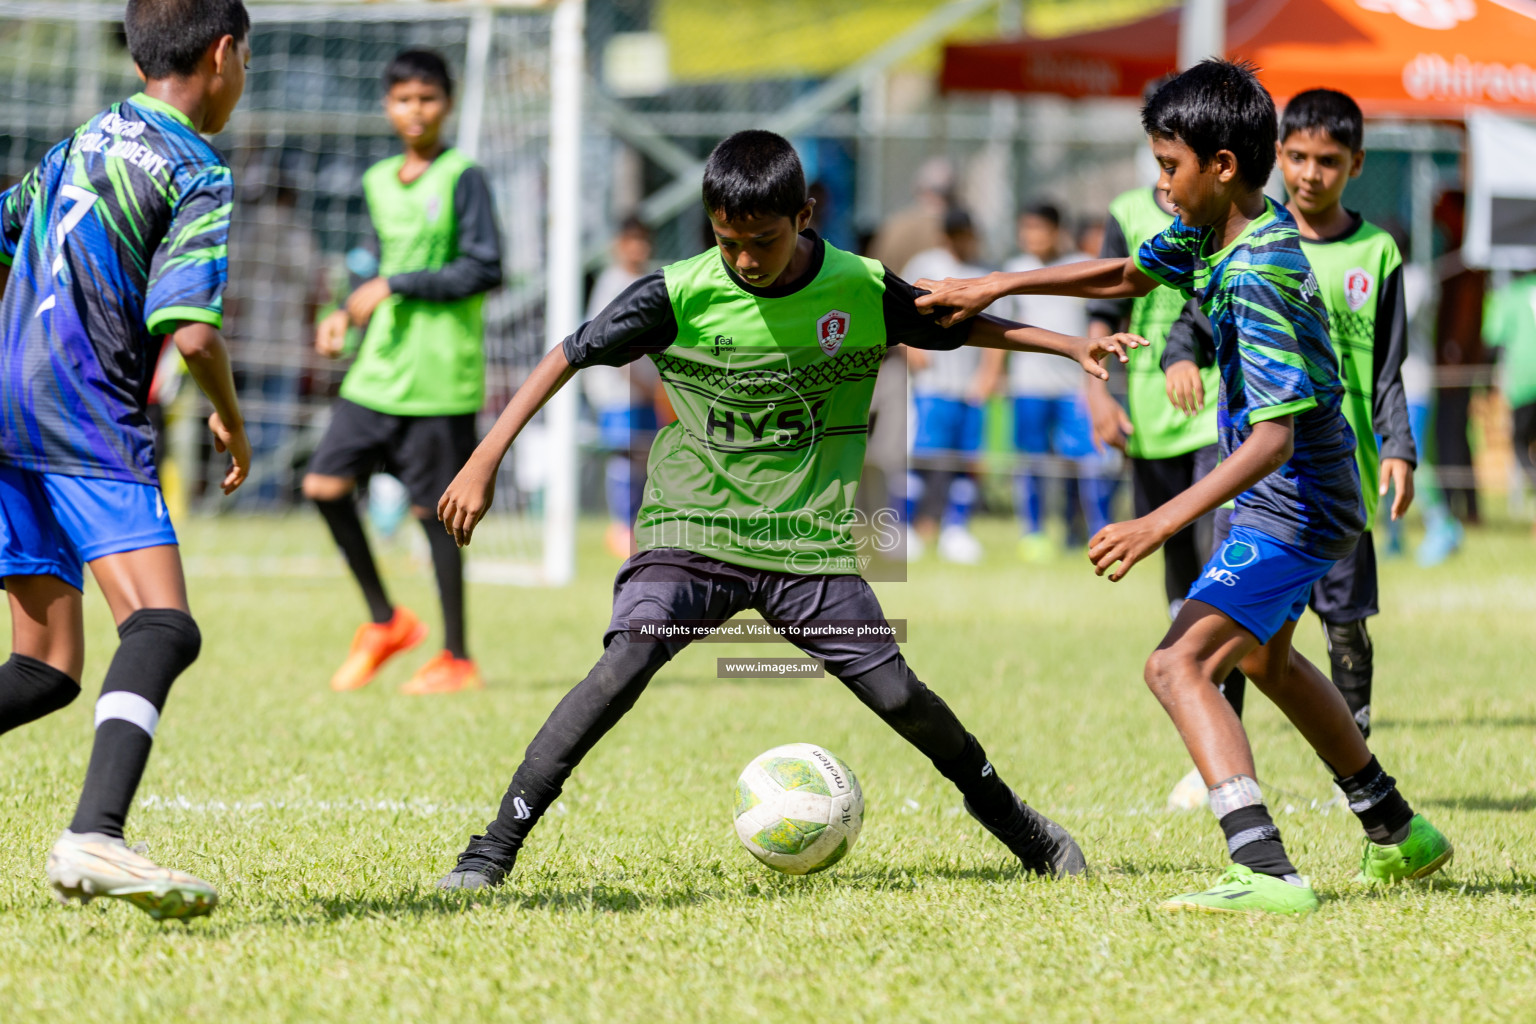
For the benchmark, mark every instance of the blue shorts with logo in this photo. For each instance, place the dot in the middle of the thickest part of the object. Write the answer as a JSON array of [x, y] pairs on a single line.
[[1259, 582], [52, 524]]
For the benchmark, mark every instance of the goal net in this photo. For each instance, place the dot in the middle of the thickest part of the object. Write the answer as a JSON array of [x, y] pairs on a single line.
[[310, 123]]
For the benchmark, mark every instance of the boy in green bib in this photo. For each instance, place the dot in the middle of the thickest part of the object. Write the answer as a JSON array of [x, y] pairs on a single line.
[[768, 345], [409, 402], [1359, 272]]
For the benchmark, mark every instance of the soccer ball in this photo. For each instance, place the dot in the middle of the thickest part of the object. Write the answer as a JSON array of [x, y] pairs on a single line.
[[798, 808]]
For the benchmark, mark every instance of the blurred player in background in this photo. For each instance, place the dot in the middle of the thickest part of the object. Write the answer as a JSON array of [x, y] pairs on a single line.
[[1359, 271], [408, 403], [136, 198], [1288, 464], [949, 394], [623, 397], [1509, 328], [1050, 412]]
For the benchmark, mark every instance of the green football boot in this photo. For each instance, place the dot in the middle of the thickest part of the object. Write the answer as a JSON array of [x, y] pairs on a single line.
[[1243, 890], [1424, 852]]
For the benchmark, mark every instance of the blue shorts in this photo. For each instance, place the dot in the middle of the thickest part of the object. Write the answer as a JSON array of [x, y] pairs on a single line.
[[946, 425], [1052, 425], [618, 426], [51, 524], [1258, 582]]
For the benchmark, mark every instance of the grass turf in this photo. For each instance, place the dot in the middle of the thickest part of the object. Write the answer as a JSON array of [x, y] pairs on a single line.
[[324, 819]]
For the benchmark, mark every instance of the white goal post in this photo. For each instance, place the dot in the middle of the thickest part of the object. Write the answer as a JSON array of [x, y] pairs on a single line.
[[309, 124]]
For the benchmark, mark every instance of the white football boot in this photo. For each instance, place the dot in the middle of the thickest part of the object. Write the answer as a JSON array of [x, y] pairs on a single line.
[[1190, 793], [85, 865], [959, 545]]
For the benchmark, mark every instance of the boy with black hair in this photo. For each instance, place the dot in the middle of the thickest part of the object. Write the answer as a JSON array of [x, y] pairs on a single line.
[[768, 345], [137, 198], [409, 402], [1287, 461], [1359, 271]]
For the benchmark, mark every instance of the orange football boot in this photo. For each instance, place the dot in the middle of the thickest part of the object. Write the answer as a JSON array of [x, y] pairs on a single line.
[[444, 674], [374, 644]]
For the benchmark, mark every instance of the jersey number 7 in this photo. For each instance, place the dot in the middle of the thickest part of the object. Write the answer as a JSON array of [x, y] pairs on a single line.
[[83, 200]]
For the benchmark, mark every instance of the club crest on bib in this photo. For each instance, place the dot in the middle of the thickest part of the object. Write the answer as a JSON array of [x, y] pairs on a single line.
[[434, 209], [831, 329], [1358, 286]]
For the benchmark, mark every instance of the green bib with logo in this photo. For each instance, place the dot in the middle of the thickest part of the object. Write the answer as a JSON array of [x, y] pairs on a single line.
[[772, 399], [418, 357], [1350, 271]]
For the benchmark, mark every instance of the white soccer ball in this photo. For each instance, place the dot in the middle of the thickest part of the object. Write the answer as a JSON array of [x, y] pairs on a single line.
[[798, 808]]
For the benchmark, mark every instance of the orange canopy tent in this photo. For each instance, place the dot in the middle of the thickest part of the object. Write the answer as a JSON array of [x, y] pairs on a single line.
[[1431, 58]]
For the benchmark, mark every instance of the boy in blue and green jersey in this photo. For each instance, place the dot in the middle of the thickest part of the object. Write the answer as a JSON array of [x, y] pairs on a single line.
[[1287, 460], [118, 238], [1169, 450], [408, 404], [1359, 271], [768, 345]]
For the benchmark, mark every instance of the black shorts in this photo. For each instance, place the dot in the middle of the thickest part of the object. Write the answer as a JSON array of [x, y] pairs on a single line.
[[673, 585], [1348, 591], [423, 452]]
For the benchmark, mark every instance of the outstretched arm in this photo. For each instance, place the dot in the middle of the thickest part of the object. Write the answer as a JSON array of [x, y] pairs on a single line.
[[468, 498], [1089, 353], [1266, 450], [1087, 279]]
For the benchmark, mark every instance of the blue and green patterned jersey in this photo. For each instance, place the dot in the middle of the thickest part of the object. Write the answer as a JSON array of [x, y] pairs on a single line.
[[1270, 329], [118, 234]]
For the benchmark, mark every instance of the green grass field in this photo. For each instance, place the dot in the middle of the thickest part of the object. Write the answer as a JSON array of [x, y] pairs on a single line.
[[325, 819]]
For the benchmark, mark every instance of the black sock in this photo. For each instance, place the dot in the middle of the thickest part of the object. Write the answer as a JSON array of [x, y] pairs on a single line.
[[448, 564], [157, 646], [30, 689], [341, 516], [524, 803], [1254, 841], [1373, 796], [972, 774], [1235, 688]]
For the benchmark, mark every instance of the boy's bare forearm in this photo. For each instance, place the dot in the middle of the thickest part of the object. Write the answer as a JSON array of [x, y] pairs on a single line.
[[1266, 450], [547, 378], [995, 332], [203, 350], [1086, 279]]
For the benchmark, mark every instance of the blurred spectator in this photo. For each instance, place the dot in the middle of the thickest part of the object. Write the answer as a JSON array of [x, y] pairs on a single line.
[[1509, 326], [919, 227], [1050, 410], [1458, 347], [623, 398], [1090, 236], [277, 284], [949, 390]]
